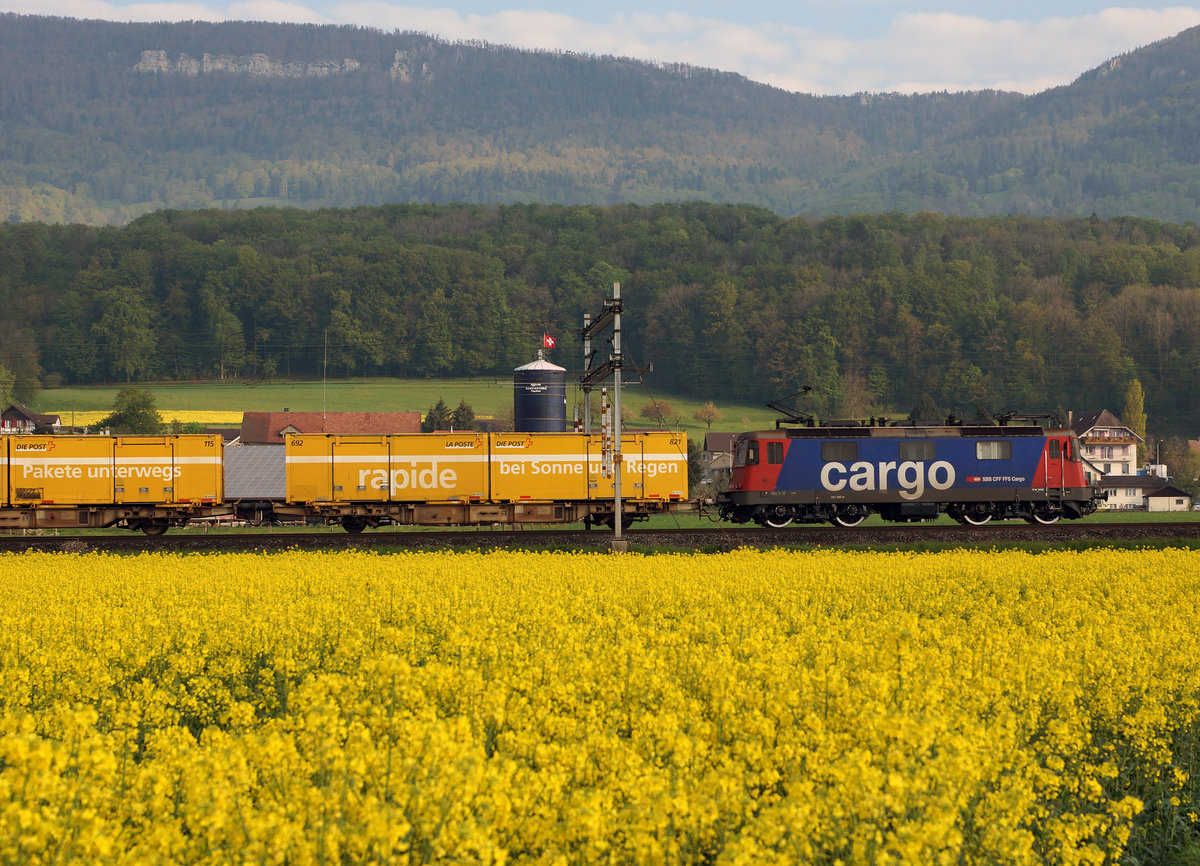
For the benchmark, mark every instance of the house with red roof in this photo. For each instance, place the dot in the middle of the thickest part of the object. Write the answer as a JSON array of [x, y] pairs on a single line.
[[269, 428], [18, 419]]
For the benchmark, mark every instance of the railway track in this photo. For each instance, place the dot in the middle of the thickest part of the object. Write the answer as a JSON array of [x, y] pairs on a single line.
[[703, 538]]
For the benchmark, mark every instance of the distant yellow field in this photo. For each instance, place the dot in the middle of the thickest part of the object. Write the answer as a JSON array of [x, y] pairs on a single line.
[[82, 419]]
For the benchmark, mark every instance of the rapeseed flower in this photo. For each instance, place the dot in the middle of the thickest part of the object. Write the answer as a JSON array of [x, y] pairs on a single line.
[[517, 708]]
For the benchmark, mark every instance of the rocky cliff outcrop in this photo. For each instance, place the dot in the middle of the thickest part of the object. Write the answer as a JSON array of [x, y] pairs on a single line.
[[157, 61]]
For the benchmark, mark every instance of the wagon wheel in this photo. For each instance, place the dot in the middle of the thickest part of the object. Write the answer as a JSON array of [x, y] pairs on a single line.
[[153, 527], [354, 525], [849, 516]]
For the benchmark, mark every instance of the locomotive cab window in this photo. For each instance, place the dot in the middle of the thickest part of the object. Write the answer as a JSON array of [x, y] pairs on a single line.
[[1055, 447], [993, 449], [916, 450], [774, 453], [839, 452], [747, 453]]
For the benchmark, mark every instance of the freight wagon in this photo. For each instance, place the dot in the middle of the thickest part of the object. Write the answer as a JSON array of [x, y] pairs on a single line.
[[153, 482], [473, 478], [139, 482]]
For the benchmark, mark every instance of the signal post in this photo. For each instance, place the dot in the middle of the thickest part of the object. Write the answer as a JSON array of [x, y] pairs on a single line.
[[611, 314]]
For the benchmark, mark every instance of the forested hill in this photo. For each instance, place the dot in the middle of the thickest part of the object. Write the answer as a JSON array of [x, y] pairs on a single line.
[[101, 122], [729, 303]]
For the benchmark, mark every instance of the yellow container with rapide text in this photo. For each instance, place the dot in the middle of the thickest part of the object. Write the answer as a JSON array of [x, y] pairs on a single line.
[[399, 468], [438, 466], [97, 470]]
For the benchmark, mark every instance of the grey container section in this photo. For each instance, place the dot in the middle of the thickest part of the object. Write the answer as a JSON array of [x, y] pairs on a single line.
[[540, 398], [254, 472]]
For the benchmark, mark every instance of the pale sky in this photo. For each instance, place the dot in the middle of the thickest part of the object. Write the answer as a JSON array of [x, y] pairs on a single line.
[[808, 46]]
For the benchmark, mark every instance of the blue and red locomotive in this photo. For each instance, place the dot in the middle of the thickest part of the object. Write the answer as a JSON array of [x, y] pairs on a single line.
[[845, 471]]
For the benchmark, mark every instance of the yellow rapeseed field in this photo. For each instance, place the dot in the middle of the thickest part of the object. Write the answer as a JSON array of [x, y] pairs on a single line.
[[742, 708], [183, 416]]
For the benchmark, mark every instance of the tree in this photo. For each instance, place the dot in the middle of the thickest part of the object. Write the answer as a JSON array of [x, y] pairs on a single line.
[[125, 330], [437, 418], [7, 380], [926, 411], [20, 351], [695, 465], [1183, 464], [1188, 475], [133, 412], [1134, 416], [708, 414], [463, 417], [435, 335], [25, 389], [658, 411]]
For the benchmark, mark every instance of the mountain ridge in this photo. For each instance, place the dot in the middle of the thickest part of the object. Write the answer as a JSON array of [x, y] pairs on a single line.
[[324, 115]]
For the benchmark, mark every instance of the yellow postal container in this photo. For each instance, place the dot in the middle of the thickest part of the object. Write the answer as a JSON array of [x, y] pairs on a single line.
[[539, 467], [168, 469], [5, 498], [654, 466], [60, 470], [400, 468], [308, 462], [569, 466], [98, 470], [359, 468], [438, 467]]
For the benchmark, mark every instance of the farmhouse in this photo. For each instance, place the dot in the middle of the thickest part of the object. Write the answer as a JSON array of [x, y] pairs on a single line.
[[18, 419]]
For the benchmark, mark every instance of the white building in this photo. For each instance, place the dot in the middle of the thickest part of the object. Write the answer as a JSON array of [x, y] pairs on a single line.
[[1128, 492], [1107, 444], [1168, 499]]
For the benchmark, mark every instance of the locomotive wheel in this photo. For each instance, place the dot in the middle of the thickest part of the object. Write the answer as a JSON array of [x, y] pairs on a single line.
[[976, 515], [777, 517], [849, 517], [354, 525], [1044, 518]]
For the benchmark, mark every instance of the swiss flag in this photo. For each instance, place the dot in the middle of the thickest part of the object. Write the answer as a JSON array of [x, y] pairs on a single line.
[[547, 341]]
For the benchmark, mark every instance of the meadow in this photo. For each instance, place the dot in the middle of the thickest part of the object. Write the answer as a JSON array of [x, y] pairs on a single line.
[[751, 707], [224, 402]]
